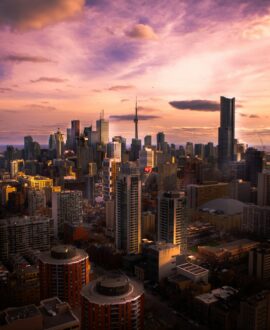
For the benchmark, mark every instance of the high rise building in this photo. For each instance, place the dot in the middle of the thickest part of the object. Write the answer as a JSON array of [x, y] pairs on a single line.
[[255, 312], [20, 234], [199, 150], [75, 133], [103, 130], [16, 166], [110, 171], [66, 207], [264, 188], [123, 142], [28, 147], [128, 209], [114, 150], [254, 165], [63, 272], [112, 302], [189, 149], [148, 141], [209, 151], [259, 263], [69, 139], [59, 144], [256, 220], [226, 135], [172, 219], [147, 158], [160, 140], [136, 146], [36, 201], [136, 121]]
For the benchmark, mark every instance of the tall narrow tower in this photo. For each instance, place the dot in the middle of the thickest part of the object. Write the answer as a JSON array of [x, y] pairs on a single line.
[[136, 120], [226, 131]]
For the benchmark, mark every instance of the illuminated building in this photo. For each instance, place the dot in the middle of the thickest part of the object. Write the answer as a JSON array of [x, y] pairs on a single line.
[[37, 182], [63, 272], [160, 260], [172, 219], [128, 209]]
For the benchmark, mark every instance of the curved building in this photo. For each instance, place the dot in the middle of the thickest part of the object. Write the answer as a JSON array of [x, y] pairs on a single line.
[[112, 302], [63, 272]]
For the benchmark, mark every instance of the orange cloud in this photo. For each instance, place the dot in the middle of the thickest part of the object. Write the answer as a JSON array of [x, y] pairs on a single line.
[[142, 31], [36, 14]]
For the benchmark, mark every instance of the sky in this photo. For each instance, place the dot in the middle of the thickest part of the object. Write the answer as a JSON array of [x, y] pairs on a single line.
[[70, 59]]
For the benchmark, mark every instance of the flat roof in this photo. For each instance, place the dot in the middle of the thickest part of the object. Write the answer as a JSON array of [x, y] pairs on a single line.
[[20, 313], [93, 295], [55, 313], [48, 258], [192, 268]]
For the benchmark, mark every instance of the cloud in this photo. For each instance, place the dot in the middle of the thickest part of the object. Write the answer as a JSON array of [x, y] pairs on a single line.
[[5, 90], [40, 107], [252, 116], [196, 105], [119, 88], [146, 109], [130, 117], [19, 58], [142, 31], [49, 79], [124, 100], [36, 14]]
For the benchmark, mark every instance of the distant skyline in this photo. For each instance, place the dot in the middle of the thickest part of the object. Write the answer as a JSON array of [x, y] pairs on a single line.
[[69, 59]]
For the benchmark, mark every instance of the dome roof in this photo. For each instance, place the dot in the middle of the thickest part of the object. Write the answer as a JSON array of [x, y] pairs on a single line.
[[225, 206]]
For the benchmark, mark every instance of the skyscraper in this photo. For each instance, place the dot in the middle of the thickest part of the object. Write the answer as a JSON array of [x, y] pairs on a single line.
[[160, 140], [264, 188], [28, 147], [226, 131], [114, 150], [110, 170], [136, 121], [66, 207], [172, 219], [75, 133], [254, 165], [128, 209], [102, 129], [147, 140], [59, 144]]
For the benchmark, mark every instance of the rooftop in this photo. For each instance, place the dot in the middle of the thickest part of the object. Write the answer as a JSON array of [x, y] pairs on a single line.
[[112, 289], [223, 293], [63, 254], [193, 269], [55, 313], [226, 206]]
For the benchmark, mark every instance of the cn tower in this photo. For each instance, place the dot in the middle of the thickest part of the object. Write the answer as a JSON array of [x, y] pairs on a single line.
[[136, 121]]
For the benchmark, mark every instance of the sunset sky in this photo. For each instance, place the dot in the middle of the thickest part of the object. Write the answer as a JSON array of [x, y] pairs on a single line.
[[69, 59]]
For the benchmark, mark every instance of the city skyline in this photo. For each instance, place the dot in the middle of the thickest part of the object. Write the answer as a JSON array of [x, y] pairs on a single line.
[[66, 60]]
